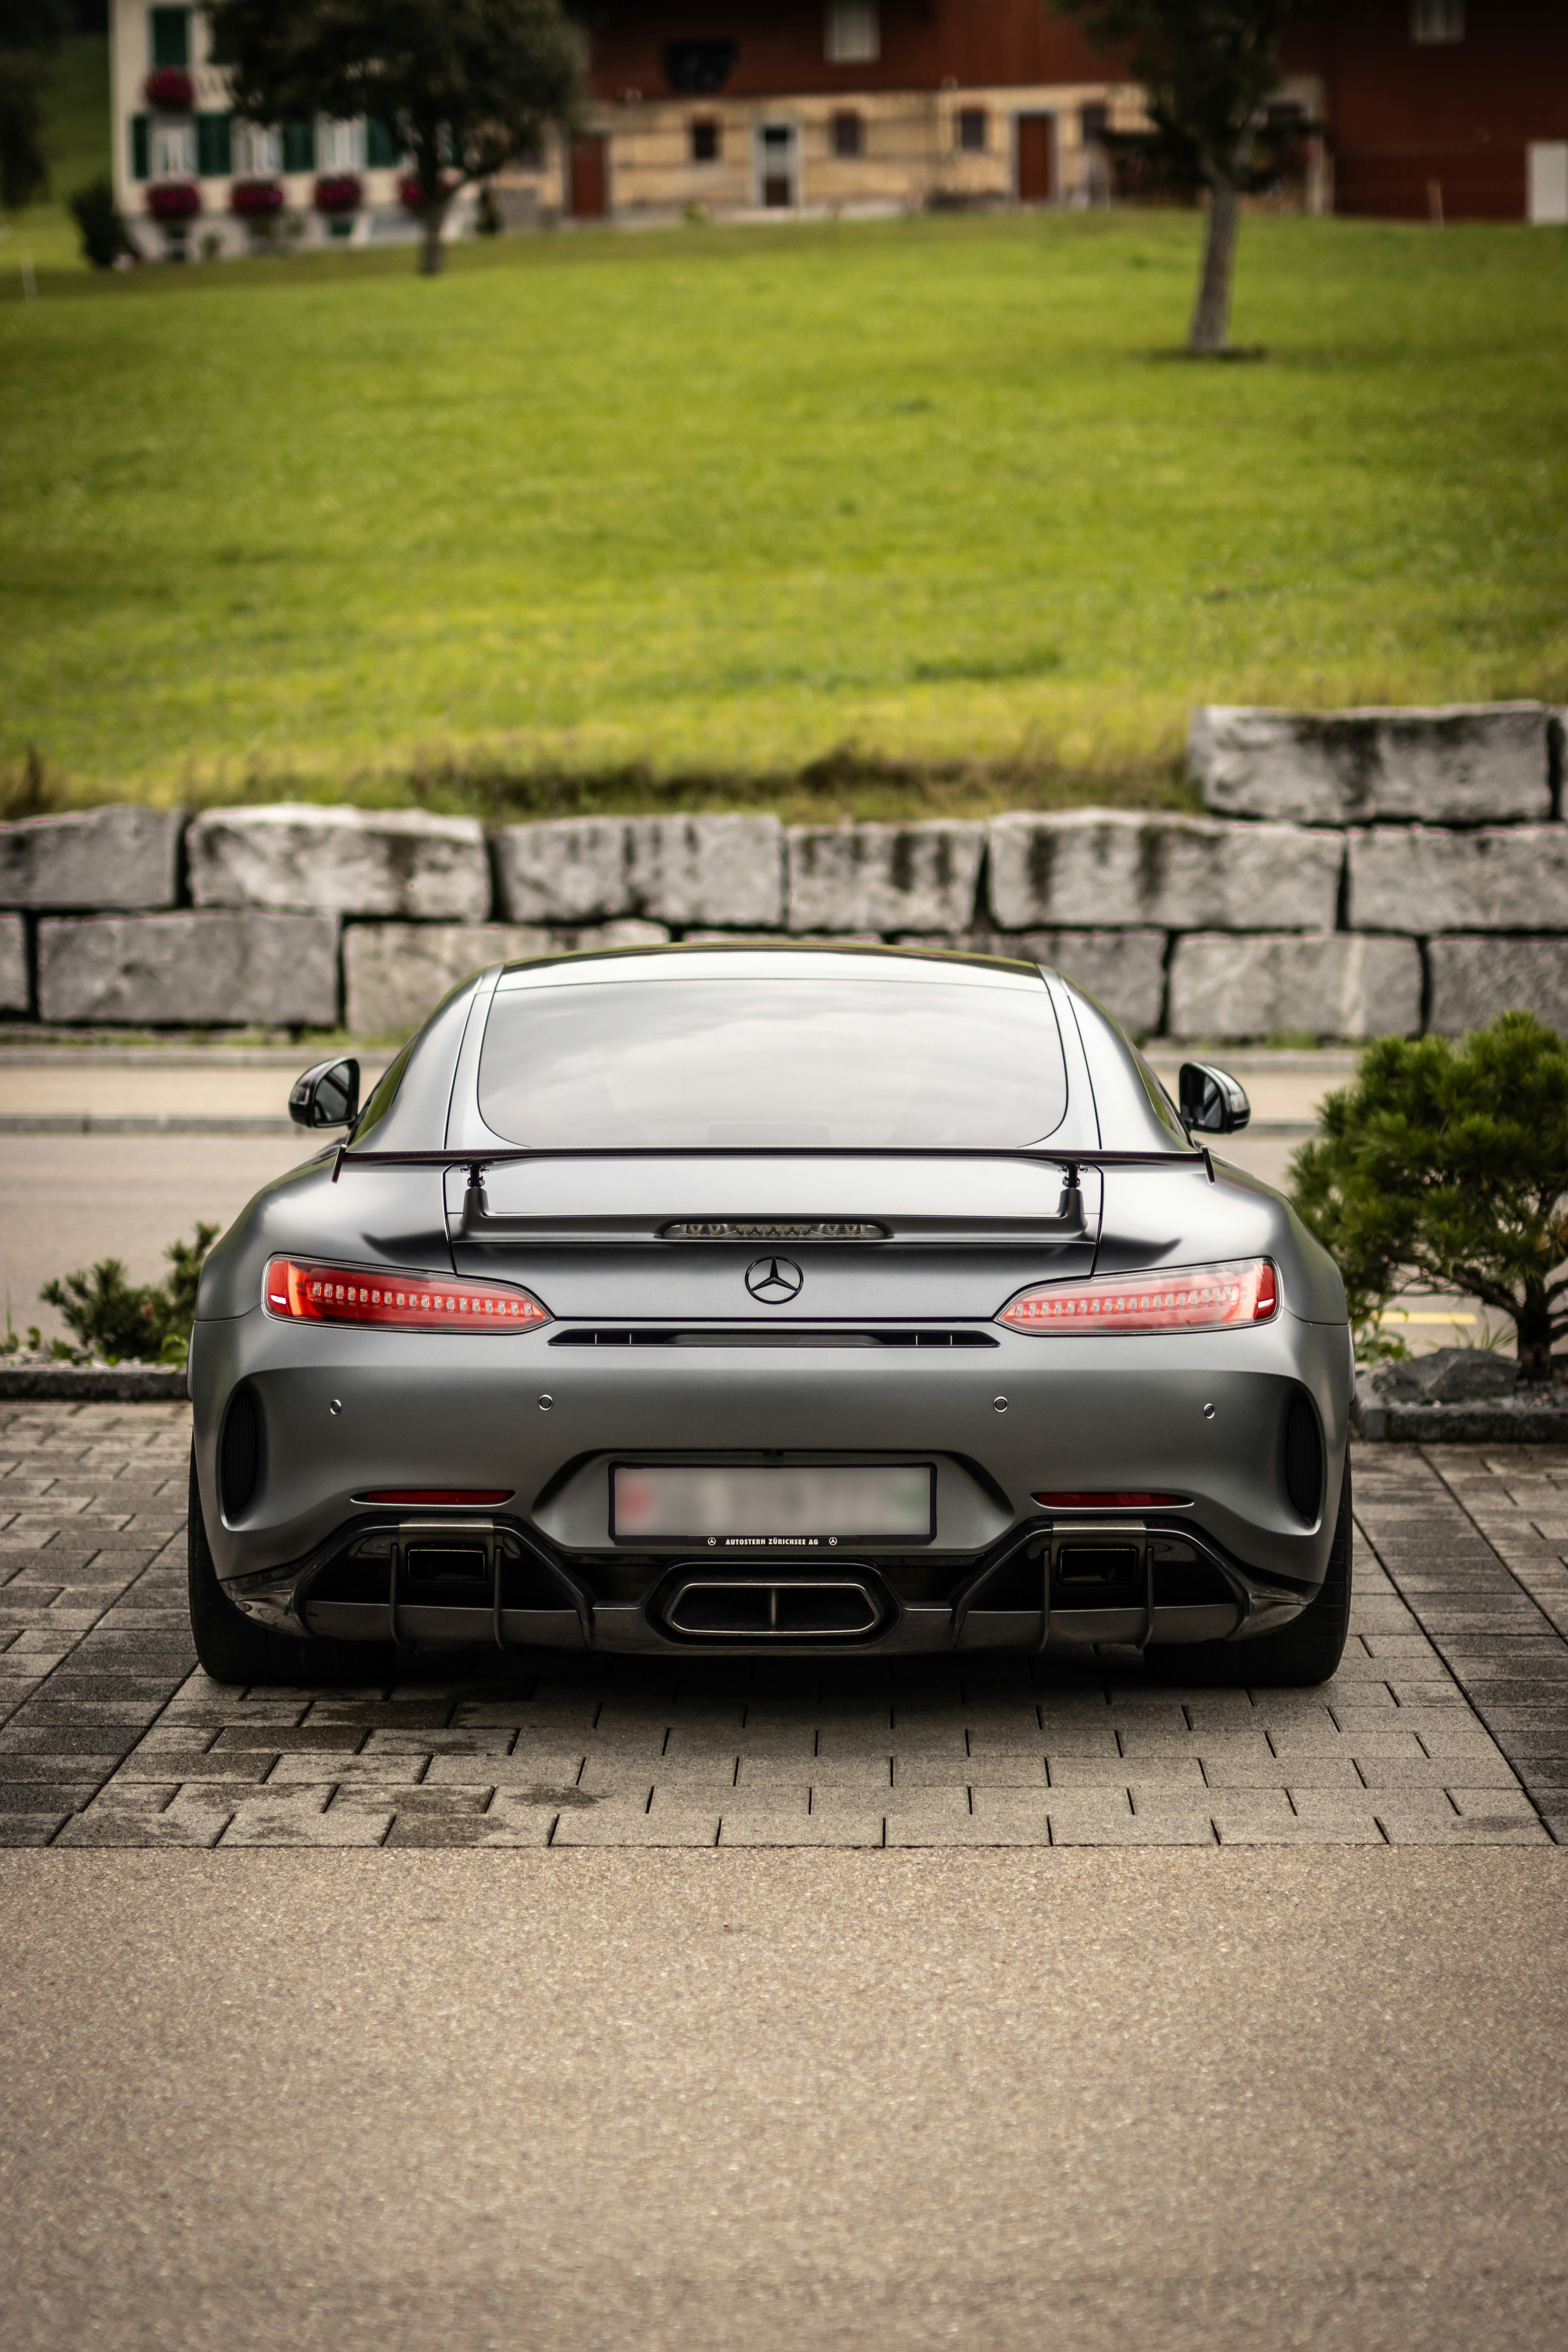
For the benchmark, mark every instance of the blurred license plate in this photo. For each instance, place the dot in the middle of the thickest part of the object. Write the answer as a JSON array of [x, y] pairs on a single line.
[[682, 1502]]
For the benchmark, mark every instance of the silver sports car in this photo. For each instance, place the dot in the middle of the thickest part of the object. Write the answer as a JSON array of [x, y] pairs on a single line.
[[802, 1299]]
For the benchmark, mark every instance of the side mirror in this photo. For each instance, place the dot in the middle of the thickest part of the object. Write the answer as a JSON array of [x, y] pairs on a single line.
[[327, 1096], [1212, 1101]]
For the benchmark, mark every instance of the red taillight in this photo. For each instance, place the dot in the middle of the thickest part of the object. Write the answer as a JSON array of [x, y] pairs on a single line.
[[424, 1497], [1122, 1500], [1187, 1298], [396, 1302]]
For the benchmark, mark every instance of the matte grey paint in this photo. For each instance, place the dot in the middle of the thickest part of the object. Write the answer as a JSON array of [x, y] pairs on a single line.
[[1084, 1413]]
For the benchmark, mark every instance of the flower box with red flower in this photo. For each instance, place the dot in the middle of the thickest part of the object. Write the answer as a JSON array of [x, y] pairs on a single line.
[[411, 191], [170, 91], [257, 199], [173, 200], [339, 192]]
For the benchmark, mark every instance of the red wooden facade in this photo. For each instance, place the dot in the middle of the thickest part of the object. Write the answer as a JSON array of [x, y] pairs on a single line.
[[1458, 116], [779, 49]]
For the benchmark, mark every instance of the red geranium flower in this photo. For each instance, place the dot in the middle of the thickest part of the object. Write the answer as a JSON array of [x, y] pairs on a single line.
[[169, 90], [257, 199], [411, 195], [338, 192], [173, 200]]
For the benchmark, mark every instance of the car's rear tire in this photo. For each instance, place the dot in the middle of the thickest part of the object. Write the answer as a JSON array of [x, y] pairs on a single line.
[[233, 1648], [1307, 1651]]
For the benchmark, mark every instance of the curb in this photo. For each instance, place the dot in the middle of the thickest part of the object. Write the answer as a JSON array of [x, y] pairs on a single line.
[[1460, 1424], [91, 1384]]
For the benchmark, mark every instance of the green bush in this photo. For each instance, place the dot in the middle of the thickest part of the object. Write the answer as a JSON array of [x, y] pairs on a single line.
[[113, 1317], [97, 215], [1446, 1167]]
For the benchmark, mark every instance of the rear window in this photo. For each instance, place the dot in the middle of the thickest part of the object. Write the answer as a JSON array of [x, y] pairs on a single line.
[[804, 1062]]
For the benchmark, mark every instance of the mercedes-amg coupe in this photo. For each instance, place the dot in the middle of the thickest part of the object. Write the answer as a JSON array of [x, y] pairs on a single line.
[[770, 1297]]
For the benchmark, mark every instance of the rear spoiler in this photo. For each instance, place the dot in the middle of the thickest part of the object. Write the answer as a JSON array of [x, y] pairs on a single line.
[[478, 1223]]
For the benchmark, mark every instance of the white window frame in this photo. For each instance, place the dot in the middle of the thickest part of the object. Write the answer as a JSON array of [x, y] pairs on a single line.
[[340, 146], [1436, 21], [171, 147], [258, 151], [852, 33]]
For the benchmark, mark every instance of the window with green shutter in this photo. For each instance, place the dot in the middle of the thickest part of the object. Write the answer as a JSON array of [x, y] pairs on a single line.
[[381, 152], [299, 146], [214, 146], [139, 146], [171, 36]]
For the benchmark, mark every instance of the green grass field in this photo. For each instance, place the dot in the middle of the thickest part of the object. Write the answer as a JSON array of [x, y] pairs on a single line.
[[599, 516]]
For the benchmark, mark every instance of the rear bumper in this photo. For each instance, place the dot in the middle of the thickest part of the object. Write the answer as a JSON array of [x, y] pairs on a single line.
[[344, 1412]]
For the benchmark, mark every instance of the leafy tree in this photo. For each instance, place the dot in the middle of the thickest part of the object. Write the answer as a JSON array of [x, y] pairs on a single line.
[[1207, 68], [114, 1317], [30, 32], [1446, 1166], [464, 85], [97, 215]]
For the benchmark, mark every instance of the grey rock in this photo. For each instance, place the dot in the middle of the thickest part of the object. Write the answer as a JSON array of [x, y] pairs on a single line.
[[13, 964], [110, 858], [1098, 867], [682, 870], [1445, 1376], [1460, 764], [1331, 985], [1124, 971], [346, 861], [1418, 878], [198, 970], [883, 878], [395, 974], [1474, 980]]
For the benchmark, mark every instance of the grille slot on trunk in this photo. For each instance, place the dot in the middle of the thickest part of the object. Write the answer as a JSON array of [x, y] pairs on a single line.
[[764, 1335]]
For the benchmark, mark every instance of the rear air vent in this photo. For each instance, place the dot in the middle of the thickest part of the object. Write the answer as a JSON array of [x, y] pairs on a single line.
[[1303, 1465], [766, 1335], [239, 1456]]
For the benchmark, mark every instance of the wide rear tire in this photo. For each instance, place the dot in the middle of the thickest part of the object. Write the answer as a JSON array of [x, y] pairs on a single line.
[[1306, 1652], [233, 1648]]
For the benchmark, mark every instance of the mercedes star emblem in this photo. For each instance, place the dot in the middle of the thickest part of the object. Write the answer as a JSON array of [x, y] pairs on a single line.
[[773, 1280]]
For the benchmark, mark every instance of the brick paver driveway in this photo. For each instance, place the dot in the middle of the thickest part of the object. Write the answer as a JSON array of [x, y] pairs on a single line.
[[1447, 1724]]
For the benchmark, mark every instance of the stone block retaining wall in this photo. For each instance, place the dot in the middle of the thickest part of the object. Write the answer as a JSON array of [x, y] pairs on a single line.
[[1356, 873]]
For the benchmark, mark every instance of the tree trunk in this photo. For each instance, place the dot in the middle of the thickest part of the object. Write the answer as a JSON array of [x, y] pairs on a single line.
[[1210, 332], [432, 252], [1534, 1335]]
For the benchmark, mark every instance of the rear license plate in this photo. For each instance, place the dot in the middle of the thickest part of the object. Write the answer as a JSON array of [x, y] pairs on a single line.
[[790, 1508]]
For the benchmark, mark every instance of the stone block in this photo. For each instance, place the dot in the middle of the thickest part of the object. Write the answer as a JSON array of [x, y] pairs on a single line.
[[13, 964], [1124, 970], [685, 870], [122, 856], [1460, 764], [343, 861], [395, 974], [1420, 878], [1113, 867], [199, 970], [1473, 980], [883, 878], [1333, 984]]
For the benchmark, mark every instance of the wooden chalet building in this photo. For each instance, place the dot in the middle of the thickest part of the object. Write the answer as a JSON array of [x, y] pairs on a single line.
[[1407, 109]]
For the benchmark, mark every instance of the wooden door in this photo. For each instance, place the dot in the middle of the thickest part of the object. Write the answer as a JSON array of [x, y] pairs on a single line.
[[1037, 136], [589, 190]]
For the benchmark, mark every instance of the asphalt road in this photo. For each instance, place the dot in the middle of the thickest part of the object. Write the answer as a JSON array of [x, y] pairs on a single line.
[[1170, 2102]]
